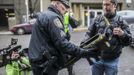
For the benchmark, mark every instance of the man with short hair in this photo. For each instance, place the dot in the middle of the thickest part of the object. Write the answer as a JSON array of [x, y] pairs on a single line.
[[118, 35], [48, 43]]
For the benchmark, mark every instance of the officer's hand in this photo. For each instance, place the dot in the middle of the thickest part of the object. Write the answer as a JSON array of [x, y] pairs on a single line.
[[118, 31], [88, 52]]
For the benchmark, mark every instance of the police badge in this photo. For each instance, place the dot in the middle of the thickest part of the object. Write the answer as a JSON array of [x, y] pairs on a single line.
[[58, 23]]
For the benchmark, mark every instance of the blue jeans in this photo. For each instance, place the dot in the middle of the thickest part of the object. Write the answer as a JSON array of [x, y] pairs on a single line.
[[102, 67]]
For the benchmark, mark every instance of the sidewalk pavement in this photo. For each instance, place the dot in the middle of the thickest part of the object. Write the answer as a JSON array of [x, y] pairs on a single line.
[[5, 32], [75, 30]]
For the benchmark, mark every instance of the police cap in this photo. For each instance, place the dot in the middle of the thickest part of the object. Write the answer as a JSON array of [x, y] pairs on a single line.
[[64, 2]]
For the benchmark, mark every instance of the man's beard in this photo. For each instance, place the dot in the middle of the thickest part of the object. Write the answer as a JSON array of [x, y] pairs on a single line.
[[109, 14]]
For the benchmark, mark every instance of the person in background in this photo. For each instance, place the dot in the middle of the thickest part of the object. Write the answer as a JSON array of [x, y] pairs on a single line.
[[18, 64], [119, 36], [69, 23]]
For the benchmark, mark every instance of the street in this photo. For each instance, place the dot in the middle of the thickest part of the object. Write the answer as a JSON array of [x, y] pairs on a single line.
[[126, 63]]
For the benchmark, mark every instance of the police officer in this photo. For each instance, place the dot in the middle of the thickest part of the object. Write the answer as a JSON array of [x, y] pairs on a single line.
[[66, 25], [18, 64], [118, 32], [69, 23], [48, 43]]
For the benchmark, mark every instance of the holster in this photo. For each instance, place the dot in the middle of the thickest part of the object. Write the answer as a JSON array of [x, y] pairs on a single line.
[[49, 64]]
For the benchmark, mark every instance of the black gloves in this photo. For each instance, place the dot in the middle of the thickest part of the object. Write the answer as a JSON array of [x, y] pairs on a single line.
[[91, 52]]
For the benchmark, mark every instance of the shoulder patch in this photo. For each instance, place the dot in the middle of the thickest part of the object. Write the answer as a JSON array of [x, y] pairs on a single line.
[[58, 23]]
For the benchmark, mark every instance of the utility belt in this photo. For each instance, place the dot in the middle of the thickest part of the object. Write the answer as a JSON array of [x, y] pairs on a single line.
[[49, 61], [46, 63]]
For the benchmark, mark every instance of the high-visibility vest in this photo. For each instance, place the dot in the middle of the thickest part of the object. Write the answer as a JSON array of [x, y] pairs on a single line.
[[66, 22], [14, 68]]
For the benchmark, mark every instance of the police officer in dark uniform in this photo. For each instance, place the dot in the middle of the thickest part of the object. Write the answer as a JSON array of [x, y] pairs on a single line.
[[119, 36], [48, 43]]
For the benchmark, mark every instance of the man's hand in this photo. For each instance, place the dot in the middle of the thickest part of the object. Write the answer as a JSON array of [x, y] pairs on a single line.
[[118, 31], [15, 55]]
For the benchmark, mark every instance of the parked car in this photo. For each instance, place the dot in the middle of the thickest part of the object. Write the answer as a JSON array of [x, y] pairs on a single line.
[[23, 28], [128, 15]]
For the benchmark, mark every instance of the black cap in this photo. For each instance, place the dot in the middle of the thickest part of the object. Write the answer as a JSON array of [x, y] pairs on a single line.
[[64, 2]]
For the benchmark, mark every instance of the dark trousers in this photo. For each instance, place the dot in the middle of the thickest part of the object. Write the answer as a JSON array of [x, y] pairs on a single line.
[[37, 70], [70, 70]]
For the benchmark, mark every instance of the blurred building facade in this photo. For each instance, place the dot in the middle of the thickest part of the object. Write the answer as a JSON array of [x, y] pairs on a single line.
[[87, 10], [18, 11]]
